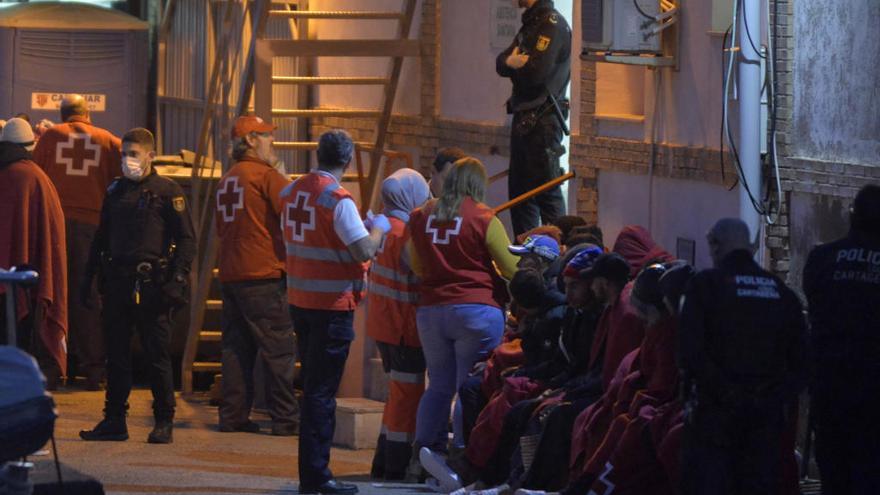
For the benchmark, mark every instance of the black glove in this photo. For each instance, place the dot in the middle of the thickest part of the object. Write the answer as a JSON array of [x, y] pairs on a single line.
[[176, 289]]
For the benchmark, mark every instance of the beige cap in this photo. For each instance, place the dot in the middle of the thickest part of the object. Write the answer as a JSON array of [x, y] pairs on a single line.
[[18, 131]]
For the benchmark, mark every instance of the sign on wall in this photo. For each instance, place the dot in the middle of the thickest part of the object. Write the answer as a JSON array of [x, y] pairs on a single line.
[[504, 24], [52, 101]]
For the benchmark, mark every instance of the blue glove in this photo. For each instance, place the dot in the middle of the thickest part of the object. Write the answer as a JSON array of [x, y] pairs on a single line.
[[380, 221]]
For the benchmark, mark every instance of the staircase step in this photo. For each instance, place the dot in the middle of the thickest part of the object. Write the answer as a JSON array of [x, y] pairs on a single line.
[[329, 80], [210, 336], [312, 112], [310, 145], [344, 48], [214, 304], [336, 14], [203, 367]]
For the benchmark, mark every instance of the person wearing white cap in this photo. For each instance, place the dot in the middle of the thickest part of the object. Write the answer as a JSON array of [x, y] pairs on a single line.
[[32, 228]]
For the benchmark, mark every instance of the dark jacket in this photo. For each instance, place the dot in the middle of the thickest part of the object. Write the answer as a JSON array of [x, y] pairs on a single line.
[[545, 37], [742, 336], [842, 283], [541, 334], [141, 221]]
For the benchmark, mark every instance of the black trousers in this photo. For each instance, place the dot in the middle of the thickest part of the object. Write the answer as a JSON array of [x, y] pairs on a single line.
[[256, 321], [470, 394], [152, 320], [85, 340], [728, 452], [546, 471], [324, 338], [534, 160], [848, 446]]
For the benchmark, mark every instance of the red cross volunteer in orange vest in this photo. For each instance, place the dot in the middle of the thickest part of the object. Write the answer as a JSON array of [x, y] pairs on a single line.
[[82, 160], [391, 322], [327, 249], [251, 265]]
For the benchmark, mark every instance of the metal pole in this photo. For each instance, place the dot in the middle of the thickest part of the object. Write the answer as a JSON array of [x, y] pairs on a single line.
[[10, 316], [749, 89]]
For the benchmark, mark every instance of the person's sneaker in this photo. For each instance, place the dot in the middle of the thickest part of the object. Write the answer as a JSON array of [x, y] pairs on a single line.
[[523, 491], [414, 471], [249, 427], [436, 467], [330, 486], [285, 430], [110, 429], [161, 433]]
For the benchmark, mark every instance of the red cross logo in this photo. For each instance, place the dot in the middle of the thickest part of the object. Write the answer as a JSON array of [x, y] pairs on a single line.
[[230, 197], [78, 154], [300, 217], [442, 234]]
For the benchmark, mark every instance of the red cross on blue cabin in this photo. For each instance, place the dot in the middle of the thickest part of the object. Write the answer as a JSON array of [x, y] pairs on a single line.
[[230, 198], [300, 217]]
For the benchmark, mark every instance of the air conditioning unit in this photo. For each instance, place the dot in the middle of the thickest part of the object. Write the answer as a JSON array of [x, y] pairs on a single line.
[[617, 26]]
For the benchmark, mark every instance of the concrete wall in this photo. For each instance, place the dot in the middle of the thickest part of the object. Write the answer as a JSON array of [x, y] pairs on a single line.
[[837, 81], [676, 209]]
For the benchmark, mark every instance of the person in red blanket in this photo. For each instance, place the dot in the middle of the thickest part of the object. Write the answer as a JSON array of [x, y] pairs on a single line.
[[32, 233], [82, 160]]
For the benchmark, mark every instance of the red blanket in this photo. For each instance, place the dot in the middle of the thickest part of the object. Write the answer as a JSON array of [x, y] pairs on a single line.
[[618, 332], [638, 248], [32, 232]]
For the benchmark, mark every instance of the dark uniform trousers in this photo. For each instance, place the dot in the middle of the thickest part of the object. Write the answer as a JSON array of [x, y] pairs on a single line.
[[152, 319], [256, 321], [84, 338], [847, 443], [393, 449], [720, 441], [534, 160], [324, 338]]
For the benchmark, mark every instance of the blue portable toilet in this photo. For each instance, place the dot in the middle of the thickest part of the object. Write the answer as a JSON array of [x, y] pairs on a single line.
[[48, 49]]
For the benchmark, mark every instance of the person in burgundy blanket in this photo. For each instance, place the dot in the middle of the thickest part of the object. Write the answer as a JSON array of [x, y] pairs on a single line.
[[33, 234]]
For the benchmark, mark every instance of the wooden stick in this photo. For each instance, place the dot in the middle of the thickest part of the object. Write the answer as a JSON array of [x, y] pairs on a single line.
[[534, 192]]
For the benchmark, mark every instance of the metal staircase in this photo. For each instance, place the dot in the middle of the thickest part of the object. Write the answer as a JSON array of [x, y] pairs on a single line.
[[256, 79]]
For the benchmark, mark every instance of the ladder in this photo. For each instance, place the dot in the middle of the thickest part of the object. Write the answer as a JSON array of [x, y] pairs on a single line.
[[257, 77]]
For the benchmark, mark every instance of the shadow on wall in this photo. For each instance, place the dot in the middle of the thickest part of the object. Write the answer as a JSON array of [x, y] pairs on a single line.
[[813, 219]]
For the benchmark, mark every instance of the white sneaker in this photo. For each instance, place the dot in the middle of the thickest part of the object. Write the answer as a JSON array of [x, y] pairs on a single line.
[[498, 490], [436, 466], [523, 491]]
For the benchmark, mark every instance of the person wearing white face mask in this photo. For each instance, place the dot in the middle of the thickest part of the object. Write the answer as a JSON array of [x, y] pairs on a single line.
[[143, 249]]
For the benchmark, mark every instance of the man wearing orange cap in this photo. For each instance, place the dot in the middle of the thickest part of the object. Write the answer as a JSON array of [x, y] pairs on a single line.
[[251, 264], [82, 160]]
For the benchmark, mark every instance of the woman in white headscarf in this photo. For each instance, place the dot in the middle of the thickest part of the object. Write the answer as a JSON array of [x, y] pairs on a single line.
[[391, 322]]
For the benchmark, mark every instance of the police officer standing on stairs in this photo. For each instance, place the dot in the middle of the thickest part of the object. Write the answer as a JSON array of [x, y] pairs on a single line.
[[144, 246], [327, 249], [538, 65], [741, 347], [842, 285]]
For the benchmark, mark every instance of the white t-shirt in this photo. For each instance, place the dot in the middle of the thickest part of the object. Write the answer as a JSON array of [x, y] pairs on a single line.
[[346, 220]]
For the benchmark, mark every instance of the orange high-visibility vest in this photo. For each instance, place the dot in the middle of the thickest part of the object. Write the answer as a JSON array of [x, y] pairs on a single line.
[[393, 292], [321, 273]]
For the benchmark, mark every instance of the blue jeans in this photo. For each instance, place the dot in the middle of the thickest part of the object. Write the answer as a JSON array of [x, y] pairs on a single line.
[[454, 337]]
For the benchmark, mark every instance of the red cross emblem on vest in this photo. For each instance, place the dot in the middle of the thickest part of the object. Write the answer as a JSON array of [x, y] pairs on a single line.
[[299, 216], [441, 234], [78, 154], [230, 197]]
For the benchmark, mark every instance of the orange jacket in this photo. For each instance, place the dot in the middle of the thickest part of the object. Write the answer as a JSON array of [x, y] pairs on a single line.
[[248, 218], [321, 273], [392, 294], [82, 160]]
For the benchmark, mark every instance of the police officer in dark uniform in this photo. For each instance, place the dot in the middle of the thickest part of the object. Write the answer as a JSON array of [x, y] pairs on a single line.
[[742, 339], [842, 285], [143, 249], [538, 65]]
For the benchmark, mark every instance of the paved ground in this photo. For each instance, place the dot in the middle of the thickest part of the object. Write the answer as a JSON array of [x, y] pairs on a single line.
[[200, 461]]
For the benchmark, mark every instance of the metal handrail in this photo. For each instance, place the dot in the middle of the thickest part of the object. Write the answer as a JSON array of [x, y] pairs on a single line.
[[534, 192]]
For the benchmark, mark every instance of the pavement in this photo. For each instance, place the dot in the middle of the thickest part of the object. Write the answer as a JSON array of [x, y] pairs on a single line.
[[200, 461]]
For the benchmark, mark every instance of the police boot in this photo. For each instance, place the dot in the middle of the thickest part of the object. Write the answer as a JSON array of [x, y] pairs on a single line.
[[111, 428], [161, 432]]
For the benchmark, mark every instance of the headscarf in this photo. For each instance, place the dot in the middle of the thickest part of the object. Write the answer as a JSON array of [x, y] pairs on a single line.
[[404, 191]]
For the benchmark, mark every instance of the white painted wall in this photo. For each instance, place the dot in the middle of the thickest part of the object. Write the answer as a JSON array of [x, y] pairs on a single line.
[[679, 208], [408, 98]]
